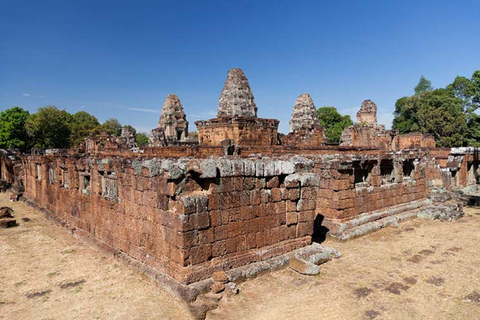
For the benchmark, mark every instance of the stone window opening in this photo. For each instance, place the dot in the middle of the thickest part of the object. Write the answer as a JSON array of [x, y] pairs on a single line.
[[63, 178], [39, 172], [473, 173], [85, 183], [387, 171], [109, 186], [362, 173], [408, 168], [454, 177], [51, 175]]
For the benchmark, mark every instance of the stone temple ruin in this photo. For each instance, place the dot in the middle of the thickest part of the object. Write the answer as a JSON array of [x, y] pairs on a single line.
[[172, 126], [244, 199]]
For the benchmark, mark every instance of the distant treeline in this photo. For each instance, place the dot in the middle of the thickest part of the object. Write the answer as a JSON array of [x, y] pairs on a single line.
[[449, 114], [50, 127]]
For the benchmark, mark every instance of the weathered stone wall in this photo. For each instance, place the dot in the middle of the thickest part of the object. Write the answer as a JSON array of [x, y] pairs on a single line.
[[367, 136], [241, 130], [186, 218], [350, 186], [416, 140], [11, 170]]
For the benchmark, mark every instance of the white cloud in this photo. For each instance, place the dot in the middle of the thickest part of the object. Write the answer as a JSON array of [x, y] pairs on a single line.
[[42, 96], [203, 115], [26, 94], [82, 107], [145, 110]]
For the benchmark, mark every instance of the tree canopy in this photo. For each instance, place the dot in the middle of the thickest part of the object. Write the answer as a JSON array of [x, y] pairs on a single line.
[[49, 128], [141, 139], [13, 133], [82, 125], [423, 85], [112, 126], [333, 122], [446, 113]]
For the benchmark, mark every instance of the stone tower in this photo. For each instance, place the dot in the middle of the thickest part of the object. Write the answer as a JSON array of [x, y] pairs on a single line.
[[304, 114], [173, 119], [236, 98], [367, 115], [237, 123]]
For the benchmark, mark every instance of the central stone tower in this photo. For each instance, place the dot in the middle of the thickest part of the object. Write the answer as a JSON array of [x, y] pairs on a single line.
[[236, 122]]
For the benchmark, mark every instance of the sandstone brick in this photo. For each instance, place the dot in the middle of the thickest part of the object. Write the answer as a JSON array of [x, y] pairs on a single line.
[[303, 266], [249, 183], [303, 204], [219, 248], [291, 218], [293, 194], [220, 276], [291, 206], [276, 194], [273, 182], [305, 228], [280, 207]]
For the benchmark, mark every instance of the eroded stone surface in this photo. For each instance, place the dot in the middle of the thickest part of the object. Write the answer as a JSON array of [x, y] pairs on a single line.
[[173, 119], [367, 115], [304, 114], [236, 98]]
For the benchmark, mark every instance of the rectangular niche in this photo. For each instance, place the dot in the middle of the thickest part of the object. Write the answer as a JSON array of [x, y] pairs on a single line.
[[362, 173], [109, 186], [84, 183], [39, 172], [408, 168], [387, 171], [51, 175]]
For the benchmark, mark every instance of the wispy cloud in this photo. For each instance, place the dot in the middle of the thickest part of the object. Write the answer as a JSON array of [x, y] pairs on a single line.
[[26, 94], [144, 110], [82, 107], [204, 115], [42, 96]]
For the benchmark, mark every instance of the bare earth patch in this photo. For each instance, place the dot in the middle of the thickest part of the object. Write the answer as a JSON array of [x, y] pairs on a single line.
[[359, 285], [66, 279], [48, 274]]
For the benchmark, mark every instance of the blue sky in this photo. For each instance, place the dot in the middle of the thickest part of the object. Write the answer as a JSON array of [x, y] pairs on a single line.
[[121, 58]]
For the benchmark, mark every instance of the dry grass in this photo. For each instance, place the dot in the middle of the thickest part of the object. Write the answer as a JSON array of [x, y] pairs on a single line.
[[48, 274], [420, 270]]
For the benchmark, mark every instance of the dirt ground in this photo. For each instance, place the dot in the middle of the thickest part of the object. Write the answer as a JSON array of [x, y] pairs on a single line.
[[420, 270]]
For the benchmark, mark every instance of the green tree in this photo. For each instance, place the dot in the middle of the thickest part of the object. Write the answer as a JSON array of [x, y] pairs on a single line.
[[49, 128], [82, 126], [423, 86], [141, 139], [333, 122], [437, 112], [13, 133], [112, 126]]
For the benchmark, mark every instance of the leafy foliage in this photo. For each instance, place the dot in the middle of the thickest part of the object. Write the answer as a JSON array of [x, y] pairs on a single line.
[[333, 122], [82, 126], [49, 128], [141, 139], [112, 126], [13, 133], [423, 85], [448, 114]]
